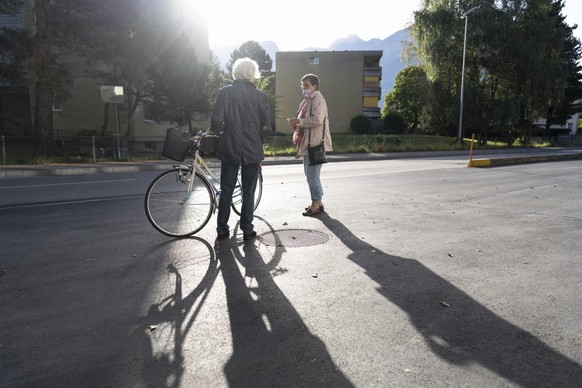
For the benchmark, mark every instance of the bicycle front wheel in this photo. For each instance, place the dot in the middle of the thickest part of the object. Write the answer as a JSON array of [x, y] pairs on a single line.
[[237, 195], [174, 210]]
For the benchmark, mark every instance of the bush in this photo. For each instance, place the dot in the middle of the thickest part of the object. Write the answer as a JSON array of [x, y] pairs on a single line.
[[361, 124], [394, 122]]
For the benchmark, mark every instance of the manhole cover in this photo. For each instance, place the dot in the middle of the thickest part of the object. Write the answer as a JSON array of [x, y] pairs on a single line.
[[294, 238]]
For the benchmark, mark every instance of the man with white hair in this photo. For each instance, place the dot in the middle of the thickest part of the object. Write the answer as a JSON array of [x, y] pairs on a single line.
[[241, 114]]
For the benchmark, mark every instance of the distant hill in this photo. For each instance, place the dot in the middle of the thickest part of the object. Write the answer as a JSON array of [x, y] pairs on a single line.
[[390, 62]]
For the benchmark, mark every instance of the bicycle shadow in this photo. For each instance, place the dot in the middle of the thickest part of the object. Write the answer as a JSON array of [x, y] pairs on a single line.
[[272, 346], [168, 322], [466, 332]]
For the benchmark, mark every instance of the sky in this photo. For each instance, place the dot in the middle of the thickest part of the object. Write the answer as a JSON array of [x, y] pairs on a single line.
[[296, 25]]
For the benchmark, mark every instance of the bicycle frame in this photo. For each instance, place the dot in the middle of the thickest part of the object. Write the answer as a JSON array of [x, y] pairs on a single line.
[[198, 164]]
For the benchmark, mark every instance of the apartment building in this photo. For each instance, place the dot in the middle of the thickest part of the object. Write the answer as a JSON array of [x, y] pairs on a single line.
[[349, 80], [85, 109]]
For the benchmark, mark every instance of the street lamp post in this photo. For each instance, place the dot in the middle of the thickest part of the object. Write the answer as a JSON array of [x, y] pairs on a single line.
[[460, 134]]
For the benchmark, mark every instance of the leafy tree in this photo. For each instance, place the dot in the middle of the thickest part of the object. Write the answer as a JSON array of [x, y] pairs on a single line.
[[130, 39], [267, 85], [409, 95], [569, 104], [179, 83], [216, 80], [35, 51], [256, 52], [517, 55], [16, 48], [137, 44]]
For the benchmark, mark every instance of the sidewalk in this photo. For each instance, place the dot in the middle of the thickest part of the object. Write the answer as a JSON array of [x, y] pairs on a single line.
[[481, 158]]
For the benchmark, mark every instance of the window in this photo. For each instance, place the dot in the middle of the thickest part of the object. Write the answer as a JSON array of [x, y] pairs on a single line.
[[57, 105], [149, 113], [150, 145], [314, 60]]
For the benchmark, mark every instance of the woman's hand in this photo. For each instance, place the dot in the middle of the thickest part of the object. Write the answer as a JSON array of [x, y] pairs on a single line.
[[294, 123], [297, 137]]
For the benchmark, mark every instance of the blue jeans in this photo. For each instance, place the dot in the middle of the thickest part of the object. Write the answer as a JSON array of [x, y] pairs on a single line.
[[313, 179], [249, 177]]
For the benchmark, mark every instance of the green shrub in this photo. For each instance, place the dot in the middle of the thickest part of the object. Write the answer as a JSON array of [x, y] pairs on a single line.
[[394, 122], [361, 124]]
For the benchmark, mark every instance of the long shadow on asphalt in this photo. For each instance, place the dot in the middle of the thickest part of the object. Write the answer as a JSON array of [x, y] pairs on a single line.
[[272, 345], [466, 332], [172, 318]]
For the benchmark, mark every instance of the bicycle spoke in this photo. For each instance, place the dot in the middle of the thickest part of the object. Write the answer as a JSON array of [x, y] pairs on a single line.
[[173, 210]]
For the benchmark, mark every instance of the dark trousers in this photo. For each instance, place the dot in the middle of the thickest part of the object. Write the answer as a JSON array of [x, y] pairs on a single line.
[[249, 177]]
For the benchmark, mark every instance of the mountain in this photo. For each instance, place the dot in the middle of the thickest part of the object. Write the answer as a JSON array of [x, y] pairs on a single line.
[[390, 62]]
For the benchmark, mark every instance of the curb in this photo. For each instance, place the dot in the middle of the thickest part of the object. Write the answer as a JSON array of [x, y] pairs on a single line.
[[21, 171], [521, 160], [55, 170]]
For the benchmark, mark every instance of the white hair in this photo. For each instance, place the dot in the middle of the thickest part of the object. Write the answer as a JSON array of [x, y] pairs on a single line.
[[246, 68]]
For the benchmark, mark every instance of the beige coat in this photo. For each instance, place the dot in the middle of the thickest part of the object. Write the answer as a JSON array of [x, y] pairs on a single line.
[[315, 116]]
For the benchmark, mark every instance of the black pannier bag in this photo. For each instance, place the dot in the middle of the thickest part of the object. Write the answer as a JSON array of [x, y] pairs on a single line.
[[209, 145], [177, 144]]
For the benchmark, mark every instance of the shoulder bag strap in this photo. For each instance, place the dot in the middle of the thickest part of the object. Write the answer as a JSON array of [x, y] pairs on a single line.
[[309, 135]]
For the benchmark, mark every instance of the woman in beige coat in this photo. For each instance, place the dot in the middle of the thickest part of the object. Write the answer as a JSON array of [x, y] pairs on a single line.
[[311, 126]]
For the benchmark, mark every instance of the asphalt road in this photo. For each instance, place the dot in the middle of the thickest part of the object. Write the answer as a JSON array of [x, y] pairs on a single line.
[[422, 272]]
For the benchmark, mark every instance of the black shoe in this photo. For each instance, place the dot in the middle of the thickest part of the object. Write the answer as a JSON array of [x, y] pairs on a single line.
[[222, 236], [311, 213], [249, 236]]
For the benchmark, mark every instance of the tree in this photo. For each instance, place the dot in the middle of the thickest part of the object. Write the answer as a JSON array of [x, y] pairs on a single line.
[[137, 44], [256, 52], [569, 104], [267, 85], [178, 83], [129, 39], [409, 95], [516, 56]]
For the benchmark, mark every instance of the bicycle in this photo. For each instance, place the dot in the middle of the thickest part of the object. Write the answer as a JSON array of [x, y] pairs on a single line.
[[180, 202]]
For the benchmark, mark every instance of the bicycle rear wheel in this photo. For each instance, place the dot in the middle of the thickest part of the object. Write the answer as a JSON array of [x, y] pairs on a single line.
[[172, 210], [237, 195]]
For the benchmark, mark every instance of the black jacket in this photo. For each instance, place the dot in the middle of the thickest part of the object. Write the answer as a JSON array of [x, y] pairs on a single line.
[[241, 112]]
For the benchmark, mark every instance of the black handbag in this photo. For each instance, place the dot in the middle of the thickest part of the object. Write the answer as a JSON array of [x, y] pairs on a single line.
[[317, 153]]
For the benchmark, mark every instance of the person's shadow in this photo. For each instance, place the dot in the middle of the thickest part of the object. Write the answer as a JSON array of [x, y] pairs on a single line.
[[458, 328], [272, 345]]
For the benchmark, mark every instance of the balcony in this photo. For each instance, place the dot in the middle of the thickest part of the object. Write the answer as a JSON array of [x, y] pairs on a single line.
[[373, 72], [372, 92], [372, 113]]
